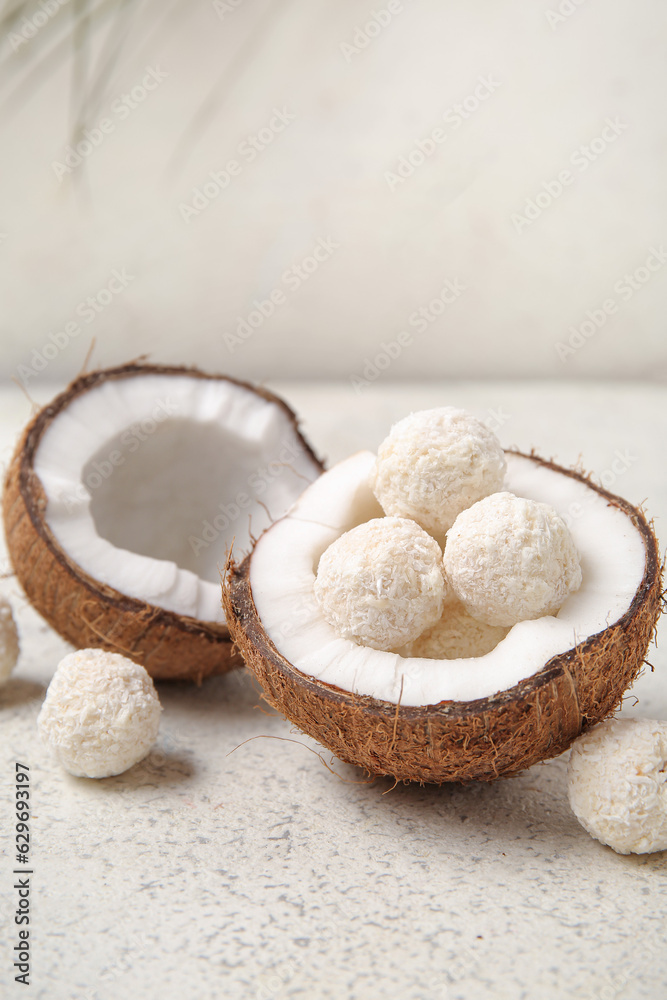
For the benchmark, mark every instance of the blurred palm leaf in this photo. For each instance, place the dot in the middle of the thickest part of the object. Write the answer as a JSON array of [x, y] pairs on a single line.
[[91, 36]]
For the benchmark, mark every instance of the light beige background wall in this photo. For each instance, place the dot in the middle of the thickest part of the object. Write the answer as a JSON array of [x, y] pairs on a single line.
[[544, 88]]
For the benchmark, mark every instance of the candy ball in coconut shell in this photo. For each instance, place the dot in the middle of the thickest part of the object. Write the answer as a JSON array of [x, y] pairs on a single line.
[[473, 717]]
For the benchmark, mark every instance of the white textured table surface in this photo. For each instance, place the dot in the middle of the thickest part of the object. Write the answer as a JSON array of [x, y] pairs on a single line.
[[258, 873]]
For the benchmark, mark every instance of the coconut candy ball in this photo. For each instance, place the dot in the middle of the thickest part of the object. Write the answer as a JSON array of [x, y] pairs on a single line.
[[617, 784], [434, 464], [381, 584], [509, 559], [101, 713], [9, 640], [455, 635]]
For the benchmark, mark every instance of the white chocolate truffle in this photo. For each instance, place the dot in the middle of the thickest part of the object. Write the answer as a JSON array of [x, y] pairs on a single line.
[[617, 784], [381, 584], [9, 640], [101, 713], [434, 464], [456, 634], [509, 559]]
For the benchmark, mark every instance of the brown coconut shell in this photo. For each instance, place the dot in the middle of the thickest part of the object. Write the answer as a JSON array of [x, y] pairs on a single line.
[[480, 740], [86, 611]]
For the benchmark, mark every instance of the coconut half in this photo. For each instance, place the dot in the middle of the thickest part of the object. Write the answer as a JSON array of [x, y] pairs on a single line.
[[124, 495], [471, 717]]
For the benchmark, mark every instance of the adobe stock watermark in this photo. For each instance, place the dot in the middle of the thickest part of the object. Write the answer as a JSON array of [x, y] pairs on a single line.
[[271, 987], [366, 33], [462, 963], [625, 288], [247, 150], [87, 310], [277, 983], [31, 26], [496, 418], [131, 441], [123, 948], [292, 278], [121, 109], [171, 743], [581, 159], [419, 321], [301, 612], [257, 484], [617, 980], [564, 10], [621, 462], [225, 7], [453, 117]]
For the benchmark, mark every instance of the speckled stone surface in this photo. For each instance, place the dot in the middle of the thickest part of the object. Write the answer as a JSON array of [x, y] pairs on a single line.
[[233, 863]]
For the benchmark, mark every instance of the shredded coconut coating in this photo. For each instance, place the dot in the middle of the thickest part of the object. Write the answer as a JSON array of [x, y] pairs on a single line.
[[434, 464], [101, 713], [9, 640], [509, 559], [617, 784], [381, 584], [457, 634]]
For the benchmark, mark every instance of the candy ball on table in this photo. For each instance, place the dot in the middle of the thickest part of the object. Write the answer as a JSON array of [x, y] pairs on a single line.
[[101, 713]]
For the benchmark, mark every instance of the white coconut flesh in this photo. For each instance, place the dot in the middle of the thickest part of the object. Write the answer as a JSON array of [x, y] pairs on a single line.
[[284, 565], [149, 479]]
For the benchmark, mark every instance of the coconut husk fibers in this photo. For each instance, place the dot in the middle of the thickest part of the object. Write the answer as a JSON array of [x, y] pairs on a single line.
[[86, 611], [460, 741]]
